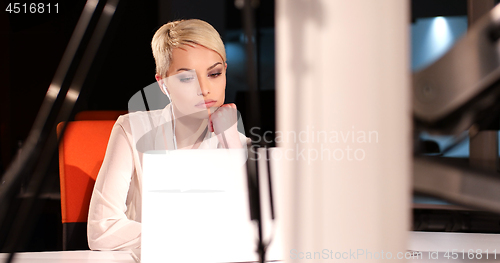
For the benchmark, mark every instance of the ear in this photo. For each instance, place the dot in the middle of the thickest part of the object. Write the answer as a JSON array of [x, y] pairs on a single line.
[[225, 67], [161, 83]]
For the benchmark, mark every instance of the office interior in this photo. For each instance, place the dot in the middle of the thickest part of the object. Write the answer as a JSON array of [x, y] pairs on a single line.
[[32, 46]]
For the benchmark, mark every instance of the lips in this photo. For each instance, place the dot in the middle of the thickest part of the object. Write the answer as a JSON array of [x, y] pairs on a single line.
[[206, 104]]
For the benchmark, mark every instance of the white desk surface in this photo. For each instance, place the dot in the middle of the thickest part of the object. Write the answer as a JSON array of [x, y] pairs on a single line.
[[418, 241], [440, 246], [83, 256], [442, 241]]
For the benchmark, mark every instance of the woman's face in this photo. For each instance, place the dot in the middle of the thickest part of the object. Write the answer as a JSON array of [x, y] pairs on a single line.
[[196, 81]]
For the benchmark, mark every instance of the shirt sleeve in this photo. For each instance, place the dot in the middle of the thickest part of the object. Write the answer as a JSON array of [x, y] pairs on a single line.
[[108, 226]]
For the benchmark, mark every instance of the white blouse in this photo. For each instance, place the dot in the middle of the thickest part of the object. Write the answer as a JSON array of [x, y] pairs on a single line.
[[114, 220]]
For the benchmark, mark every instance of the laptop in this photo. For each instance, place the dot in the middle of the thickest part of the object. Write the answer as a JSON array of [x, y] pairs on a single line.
[[196, 209]]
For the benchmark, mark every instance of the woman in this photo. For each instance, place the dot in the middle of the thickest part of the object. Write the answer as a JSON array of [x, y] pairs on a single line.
[[190, 69]]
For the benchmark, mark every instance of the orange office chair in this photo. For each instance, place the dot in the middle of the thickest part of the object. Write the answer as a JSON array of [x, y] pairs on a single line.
[[99, 115], [81, 153]]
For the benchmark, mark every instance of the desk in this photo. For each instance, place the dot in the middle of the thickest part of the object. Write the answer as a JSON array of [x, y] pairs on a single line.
[[418, 241], [442, 245], [84, 256]]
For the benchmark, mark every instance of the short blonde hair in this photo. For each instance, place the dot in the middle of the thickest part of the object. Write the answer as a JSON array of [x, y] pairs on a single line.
[[183, 32]]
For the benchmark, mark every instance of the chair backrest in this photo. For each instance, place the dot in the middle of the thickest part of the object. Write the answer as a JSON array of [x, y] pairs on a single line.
[[81, 153], [99, 115]]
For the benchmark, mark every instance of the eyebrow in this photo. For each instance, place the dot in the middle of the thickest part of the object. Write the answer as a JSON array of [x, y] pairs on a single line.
[[214, 65], [209, 68]]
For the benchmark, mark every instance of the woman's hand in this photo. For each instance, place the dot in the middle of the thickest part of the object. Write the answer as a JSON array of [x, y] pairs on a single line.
[[224, 122]]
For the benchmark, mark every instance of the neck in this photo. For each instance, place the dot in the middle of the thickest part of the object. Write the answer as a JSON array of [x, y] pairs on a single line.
[[188, 131]]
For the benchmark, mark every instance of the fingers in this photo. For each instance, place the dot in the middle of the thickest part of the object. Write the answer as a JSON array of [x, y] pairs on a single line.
[[210, 123], [229, 105], [223, 118]]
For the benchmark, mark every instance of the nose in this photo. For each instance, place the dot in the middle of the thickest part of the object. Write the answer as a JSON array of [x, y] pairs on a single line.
[[204, 87]]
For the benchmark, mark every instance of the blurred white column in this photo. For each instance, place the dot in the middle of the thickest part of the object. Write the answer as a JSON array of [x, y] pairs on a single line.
[[344, 122]]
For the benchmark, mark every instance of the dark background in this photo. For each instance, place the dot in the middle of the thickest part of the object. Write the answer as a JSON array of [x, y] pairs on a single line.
[[31, 46]]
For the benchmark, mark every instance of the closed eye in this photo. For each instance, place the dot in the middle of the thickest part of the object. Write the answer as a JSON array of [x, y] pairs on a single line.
[[214, 75], [186, 79]]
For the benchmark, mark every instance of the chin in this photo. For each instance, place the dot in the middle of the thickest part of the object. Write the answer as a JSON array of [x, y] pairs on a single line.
[[189, 112], [199, 114]]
